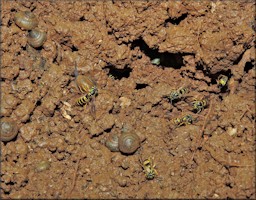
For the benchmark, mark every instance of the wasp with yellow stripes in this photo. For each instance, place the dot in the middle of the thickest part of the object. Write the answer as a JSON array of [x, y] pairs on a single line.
[[199, 105], [185, 120], [88, 87], [177, 94], [84, 99], [149, 169], [222, 80]]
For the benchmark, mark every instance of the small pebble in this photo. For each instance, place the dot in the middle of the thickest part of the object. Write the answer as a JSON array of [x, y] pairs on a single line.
[[42, 166]]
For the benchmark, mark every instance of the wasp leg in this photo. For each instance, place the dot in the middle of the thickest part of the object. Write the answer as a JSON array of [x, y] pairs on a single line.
[[93, 108]]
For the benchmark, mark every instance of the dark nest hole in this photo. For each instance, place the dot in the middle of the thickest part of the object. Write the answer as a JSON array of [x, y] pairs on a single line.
[[248, 66], [215, 77], [140, 86], [118, 73], [175, 21], [165, 59]]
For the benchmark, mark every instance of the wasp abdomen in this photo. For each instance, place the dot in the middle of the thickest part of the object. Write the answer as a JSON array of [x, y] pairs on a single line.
[[83, 100]]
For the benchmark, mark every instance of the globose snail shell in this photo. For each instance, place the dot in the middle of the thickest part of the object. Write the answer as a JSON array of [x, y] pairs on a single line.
[[36, 38], [9, 129], [26, 20], [128, 143], [112, 143]]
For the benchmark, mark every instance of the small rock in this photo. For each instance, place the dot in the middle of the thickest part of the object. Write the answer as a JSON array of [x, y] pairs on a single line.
[[125, 102], [42, 166], [231, 131]]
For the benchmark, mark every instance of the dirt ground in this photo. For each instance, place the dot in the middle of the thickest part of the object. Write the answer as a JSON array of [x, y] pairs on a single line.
[[138, 53]]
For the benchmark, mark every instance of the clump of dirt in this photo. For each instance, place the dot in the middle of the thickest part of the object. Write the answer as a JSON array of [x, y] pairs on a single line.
[[138, 53]]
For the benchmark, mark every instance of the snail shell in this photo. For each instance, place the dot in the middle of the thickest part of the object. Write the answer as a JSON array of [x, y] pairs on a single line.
[[9, 129], [128, 143], [36, 38], [112, 143], [26, 20]]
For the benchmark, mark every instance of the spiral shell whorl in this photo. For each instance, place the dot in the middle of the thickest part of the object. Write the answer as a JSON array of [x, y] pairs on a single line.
[[128, 143], [36, 38], [9, 130], [112, 143], [26, 20]]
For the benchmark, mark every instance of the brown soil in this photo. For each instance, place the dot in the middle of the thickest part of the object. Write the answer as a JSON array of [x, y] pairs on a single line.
[[59, 151]]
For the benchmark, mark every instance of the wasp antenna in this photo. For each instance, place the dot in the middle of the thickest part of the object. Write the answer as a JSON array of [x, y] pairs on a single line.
[[76, 71]]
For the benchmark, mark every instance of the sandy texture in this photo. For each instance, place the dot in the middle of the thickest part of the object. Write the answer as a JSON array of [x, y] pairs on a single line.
[[60, 150]]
